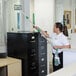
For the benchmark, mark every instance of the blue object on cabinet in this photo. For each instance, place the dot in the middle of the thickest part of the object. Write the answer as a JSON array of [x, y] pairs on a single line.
[[18, 20]]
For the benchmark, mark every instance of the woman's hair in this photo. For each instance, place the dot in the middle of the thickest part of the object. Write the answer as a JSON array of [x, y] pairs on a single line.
[[62, 28], [59, 25], [65, 31]]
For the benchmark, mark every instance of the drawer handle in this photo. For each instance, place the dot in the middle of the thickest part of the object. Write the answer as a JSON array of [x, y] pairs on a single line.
[[42, 59], [33, 37], [42, 71], [33, 68], [43, 65], [33, 54], [33, 41], [42, 47], [43, 53]]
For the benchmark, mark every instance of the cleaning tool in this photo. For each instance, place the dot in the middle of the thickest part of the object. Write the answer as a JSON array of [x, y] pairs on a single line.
[[57, 59]]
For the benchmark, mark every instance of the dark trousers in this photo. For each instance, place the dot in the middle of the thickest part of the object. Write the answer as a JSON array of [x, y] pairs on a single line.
[[61, 62]]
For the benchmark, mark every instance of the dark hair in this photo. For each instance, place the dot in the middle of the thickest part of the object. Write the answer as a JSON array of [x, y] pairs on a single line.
[[65, 31], [59, 25], [62, 28]]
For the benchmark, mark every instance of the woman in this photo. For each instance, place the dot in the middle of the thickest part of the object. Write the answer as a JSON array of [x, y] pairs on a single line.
[[59, 41]]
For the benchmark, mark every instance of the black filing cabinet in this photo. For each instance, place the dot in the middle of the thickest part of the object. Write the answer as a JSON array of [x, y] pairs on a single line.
[[31, 48]]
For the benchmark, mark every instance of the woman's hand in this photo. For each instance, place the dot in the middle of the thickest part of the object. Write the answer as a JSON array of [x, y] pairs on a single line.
[[56, 47], [40, 30], [36, 27]]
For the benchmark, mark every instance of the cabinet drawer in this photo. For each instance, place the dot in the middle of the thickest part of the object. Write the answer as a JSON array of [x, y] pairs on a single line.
[[43, 71]]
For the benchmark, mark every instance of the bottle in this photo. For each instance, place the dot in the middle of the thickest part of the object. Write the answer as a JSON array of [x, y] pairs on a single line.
[[57, 59]]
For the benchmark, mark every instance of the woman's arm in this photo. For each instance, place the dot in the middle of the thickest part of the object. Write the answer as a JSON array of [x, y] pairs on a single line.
[[61, 47], [40, 30]]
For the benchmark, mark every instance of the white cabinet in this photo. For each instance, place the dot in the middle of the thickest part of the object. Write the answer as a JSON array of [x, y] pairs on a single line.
[[69, 57]]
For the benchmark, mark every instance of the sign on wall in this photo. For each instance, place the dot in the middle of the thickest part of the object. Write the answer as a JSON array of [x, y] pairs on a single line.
[[17, 7]]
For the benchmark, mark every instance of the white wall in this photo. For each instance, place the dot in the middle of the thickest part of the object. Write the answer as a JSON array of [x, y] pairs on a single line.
[[31, 13], [2, 28], [26, 9], [67, 4], [59, 11], [73, 6], [44, 14]]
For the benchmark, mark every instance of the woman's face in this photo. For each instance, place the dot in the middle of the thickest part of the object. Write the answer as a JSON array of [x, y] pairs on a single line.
[[55, 29]]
